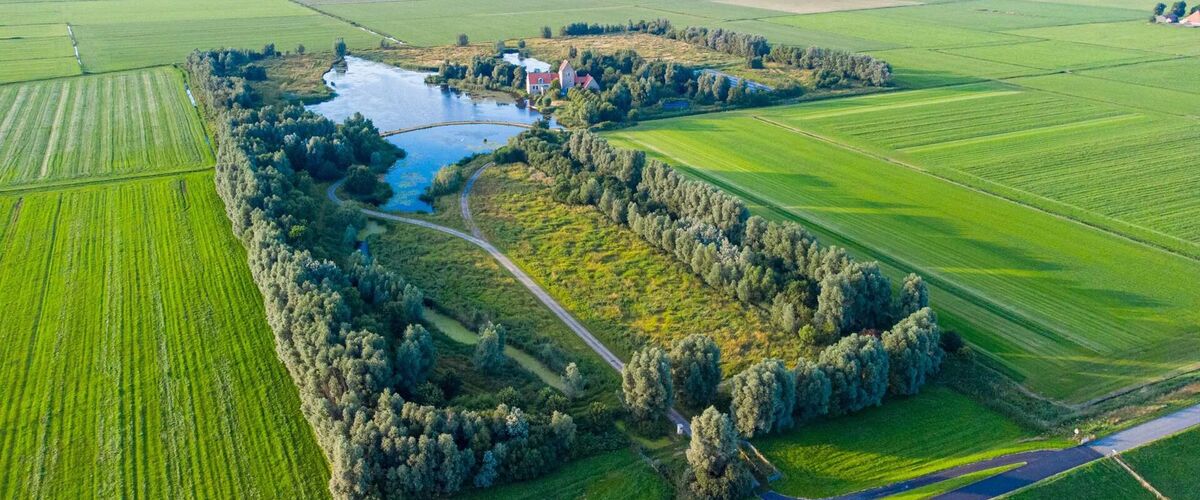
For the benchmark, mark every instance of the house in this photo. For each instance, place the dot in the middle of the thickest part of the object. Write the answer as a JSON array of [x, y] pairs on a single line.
[[1166, 19], [1192, 20], [537, 83]]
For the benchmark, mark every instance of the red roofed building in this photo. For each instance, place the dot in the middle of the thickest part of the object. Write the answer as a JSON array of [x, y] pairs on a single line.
[[537, 83], [1192, 20]]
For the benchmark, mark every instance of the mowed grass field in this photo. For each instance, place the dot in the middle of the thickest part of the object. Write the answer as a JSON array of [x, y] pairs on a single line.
[[1168, 465], [111, 125], [124, 34], [135, 357], [905, 438], [36, 51], [1071, 311]]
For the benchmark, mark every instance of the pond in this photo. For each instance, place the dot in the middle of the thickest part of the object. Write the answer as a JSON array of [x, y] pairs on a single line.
[[396, 98], [530, 64]]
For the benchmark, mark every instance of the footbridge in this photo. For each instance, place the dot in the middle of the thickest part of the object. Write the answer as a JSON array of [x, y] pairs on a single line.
[[399, 131]]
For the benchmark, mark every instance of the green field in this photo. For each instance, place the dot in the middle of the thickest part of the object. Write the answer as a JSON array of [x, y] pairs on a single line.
[[35, 51], [1070, 311], [1104, 478], [615, 475], [136, 359], [125, 34], [903, 439], [111, 125]]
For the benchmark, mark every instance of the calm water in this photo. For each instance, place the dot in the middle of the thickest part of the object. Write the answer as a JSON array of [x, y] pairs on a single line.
[[396, 98], [529, 63]]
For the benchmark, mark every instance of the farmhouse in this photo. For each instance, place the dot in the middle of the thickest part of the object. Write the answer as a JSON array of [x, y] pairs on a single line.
[[537, 82]]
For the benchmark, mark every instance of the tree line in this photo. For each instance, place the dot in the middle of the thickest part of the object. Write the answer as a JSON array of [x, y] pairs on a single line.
[[833, 68], [352, 338], [808, 289], [854, 373]]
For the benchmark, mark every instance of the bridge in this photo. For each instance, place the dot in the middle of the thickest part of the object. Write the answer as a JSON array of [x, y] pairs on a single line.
[[390, 133]]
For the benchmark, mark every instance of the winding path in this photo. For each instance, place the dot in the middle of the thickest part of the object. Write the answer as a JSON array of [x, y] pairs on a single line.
[[388, 133], [477, 240]]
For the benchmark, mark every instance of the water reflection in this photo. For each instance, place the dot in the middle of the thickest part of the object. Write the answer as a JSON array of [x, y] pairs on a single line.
[[529, 63], [396, 98]]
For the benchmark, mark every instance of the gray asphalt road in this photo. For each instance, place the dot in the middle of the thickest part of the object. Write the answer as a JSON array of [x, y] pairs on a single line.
[[1064, 460], [516, 271]]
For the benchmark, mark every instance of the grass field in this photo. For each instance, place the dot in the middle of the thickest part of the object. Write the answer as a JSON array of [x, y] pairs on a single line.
[[627, 292], [108, 125], [1077, 157], [136, 360], [1057, 303], [1104, 478], [903, 439], [125, 34], [35, 51], [615, 475]]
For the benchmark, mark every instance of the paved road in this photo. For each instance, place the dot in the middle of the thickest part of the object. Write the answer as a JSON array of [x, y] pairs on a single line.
[[516, 271], [1064, 460]]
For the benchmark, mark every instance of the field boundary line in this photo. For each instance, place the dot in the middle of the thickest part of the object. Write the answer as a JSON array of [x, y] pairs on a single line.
[[1141, 480], [92, 181], [917, 168], [355, 24]]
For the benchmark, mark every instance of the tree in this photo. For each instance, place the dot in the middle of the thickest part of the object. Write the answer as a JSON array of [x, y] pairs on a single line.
[[415, 356], [913, 296], [646, 384], [763, 397], [857, 367], [501, 46], [547, 32], [914, 352], [521, 43], [364, 185], [300, 49], [1178, 9], [696, 370], [339, 48], [489, 352], [463, 41], [716, 465], [1159, 9], [573, 381], [812, 391]]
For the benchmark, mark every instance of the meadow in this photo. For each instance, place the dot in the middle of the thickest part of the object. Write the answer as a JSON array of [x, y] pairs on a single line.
[[127, 34], [1076, 157], [615, 475], [136, 358], [36, 51], [903, 439], [1070, 311], [102, 126]]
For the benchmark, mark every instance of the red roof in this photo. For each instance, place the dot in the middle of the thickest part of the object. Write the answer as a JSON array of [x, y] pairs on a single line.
[[547, 77], [1192, 19], [583, 81]]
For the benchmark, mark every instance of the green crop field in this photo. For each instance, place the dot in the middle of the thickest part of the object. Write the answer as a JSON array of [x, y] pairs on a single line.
[[1055, 55], [894, 30], [1076, 157], [116, 124], [903, 439], [136, 359], [998, 15], [125, 34], [1176, 74], [1139, 35], [1104, 478], [1071, 311], [35, 51]]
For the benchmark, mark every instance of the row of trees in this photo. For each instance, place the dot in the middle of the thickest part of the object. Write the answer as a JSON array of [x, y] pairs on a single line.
[[852, 374], [352, 338], [834, 68], [817, 292]]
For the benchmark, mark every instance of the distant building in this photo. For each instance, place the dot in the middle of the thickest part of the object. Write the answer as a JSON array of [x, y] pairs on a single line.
[[538, 83], [1192, 20]]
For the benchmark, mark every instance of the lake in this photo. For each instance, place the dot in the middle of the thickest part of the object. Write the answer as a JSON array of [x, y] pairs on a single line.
[[395, 98]]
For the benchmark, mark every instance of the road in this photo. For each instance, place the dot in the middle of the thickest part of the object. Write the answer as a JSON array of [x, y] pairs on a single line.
[[476, 239]]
